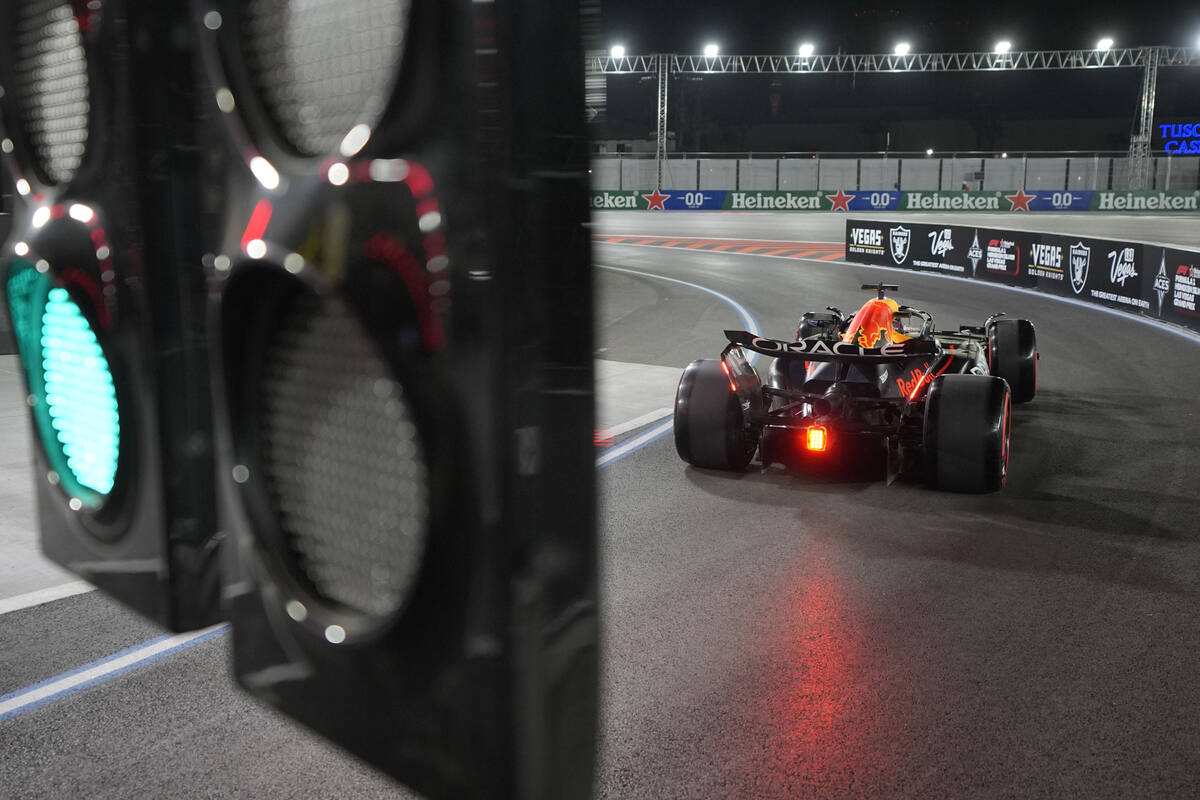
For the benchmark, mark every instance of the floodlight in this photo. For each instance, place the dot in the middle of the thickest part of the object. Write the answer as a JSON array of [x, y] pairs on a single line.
[[618, 51], [806, 49], [711, 50], [1003, 46], [902, 49], [929, 151], [1104, 44]]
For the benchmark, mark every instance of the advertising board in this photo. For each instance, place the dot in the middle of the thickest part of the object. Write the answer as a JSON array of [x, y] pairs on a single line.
[[1179, 137], [1017, 201], [1148, 279]]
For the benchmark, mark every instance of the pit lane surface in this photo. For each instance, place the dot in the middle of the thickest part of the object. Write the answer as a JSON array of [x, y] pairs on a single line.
[[770, 636]]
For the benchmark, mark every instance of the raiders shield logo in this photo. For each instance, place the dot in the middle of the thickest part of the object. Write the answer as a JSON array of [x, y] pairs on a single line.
[[1081, 256], [900, 239]]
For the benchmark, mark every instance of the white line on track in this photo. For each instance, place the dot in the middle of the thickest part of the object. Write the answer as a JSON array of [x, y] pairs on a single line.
[[48, 595], [39, 694]]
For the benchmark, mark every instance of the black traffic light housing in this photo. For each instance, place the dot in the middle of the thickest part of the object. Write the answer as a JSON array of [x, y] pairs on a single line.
[[402, 305], [99, 141], [327, 264]]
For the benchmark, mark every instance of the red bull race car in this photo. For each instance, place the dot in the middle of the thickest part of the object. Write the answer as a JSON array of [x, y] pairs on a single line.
[[883, 387]]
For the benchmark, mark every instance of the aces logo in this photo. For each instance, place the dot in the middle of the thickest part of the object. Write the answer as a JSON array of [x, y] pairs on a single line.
[[1162, 284], [1081, 257], [975, 253], [900, 238]]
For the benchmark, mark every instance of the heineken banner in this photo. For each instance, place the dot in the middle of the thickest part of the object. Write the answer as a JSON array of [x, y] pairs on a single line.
[[1149, 279], [709, 200], [879, 200]]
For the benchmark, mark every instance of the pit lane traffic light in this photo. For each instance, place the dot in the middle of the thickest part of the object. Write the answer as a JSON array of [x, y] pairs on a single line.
[[101, 278], [402, 301], [341, 244]]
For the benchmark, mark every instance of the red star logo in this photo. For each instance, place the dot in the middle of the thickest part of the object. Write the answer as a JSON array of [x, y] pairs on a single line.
[[1020, 200], [841, 200], [656, 200]]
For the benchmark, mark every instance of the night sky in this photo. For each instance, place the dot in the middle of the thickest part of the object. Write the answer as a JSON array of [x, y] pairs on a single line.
[[861, 26], [1022, 111]]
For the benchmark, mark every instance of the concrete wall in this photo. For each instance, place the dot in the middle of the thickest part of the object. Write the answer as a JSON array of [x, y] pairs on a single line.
[[758, 173], [836, 173], [715, 173], [959, 172], [878, 173], [798, 173], [1177, 173], [920, 173]]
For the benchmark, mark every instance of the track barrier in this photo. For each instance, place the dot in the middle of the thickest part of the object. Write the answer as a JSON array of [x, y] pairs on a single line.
[[1152, 280]]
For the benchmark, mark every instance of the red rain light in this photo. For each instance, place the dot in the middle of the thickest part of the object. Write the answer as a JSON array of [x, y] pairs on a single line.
[[732, 385], [816, 438]]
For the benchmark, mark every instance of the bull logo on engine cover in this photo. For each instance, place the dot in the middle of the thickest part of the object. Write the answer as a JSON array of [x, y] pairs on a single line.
[[1081, 256], [900, 238]]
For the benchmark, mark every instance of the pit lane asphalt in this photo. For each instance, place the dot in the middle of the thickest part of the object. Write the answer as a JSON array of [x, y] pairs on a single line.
[[771, 636]]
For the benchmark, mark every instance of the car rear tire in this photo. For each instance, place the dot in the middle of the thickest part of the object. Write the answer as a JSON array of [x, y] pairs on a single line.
[[711, 430], [967, 433], [1012, 355]]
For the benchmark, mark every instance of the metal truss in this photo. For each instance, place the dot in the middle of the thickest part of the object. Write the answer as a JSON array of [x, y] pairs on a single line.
[[914, 62], [660, 152], [1140, 162]]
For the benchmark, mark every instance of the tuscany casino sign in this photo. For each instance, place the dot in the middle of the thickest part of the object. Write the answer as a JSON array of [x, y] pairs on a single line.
[[1178, 138]]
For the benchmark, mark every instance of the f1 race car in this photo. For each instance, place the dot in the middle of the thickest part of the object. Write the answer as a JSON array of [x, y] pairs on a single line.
[[882, 384]]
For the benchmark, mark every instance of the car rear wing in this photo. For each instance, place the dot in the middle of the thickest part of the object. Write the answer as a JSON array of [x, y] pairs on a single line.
[[821, 350]]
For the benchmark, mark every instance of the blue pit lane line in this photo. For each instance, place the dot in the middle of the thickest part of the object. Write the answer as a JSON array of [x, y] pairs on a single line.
[[45, 692], [105, 669]]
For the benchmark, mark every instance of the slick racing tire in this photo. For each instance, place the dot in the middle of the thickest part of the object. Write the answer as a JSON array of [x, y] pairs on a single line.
[[967, 433], [711, 430], [1012, 355]]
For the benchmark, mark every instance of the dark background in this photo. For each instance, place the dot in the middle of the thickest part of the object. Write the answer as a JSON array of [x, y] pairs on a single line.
[[1089, 110], [765, 26]]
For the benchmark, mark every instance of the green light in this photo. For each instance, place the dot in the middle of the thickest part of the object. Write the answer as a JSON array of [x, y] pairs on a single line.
[[71, 383]]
